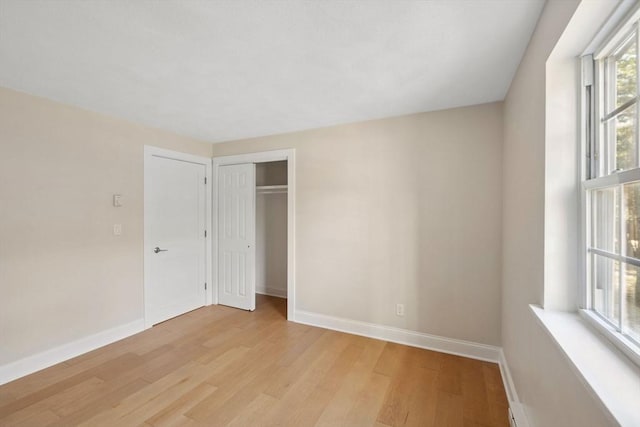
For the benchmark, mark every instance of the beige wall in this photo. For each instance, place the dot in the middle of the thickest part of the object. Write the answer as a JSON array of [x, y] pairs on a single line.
[[63, 275], [400, 210], [549, 389]]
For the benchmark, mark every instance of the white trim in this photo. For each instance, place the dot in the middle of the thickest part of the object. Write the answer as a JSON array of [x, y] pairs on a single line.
[[273, 292], [261, 157], [257, 157], [149, 152], [614, 29], [518, 415], [618, 178], [625, 345], [516, 410], [609, 375], [469, 349], [509, 385], [39, 361]]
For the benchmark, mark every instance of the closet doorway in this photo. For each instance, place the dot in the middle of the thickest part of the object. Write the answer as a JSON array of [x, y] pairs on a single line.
[[271, 229], [254, 228]]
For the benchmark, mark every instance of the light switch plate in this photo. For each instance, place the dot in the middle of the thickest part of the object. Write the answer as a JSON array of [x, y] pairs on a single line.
[[117, 200], [117, 229]]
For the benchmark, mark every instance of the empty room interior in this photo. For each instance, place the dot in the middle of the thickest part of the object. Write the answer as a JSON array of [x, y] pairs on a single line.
[[320, 213]]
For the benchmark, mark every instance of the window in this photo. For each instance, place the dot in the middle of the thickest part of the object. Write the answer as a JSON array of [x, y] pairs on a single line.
[[612, 187]]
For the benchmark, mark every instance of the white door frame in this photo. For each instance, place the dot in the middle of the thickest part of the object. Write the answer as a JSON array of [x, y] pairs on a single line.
[[262, 157], [150, 152]]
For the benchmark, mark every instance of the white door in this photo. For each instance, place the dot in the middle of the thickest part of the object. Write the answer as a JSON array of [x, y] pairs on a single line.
[[236, 236], [175, 243]]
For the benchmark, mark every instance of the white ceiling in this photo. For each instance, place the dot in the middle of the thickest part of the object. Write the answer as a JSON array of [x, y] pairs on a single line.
[[223, 70]]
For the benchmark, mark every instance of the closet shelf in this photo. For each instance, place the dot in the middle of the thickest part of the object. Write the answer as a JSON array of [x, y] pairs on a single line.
[[271, 189]]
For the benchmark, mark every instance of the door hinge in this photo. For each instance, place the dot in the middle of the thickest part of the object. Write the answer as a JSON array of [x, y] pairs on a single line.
[[205, 180], [205, 285], [205, 233]]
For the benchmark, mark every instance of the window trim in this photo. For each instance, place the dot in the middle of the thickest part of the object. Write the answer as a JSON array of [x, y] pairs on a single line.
[[598, 173], [616, 178], [602, 115], [621, 341], [615, 36]]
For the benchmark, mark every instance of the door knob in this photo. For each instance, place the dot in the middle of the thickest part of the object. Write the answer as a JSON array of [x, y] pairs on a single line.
[[157, 249]]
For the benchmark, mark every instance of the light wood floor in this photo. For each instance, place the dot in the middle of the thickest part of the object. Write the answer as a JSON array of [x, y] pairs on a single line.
[[218, 366]]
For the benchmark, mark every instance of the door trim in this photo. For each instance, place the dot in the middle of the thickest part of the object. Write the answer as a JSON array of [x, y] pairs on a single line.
[[150, 152], [261, 157]]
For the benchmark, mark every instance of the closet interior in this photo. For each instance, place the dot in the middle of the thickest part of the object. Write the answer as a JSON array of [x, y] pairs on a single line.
[[271, 228]]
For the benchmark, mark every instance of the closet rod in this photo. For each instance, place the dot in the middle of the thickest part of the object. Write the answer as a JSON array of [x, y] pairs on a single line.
[[271, 189]]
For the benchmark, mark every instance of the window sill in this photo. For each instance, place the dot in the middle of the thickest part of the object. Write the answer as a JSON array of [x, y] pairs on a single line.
[[612, 377], [616, 338]]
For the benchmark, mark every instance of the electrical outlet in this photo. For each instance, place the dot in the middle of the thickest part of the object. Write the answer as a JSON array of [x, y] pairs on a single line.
[[400, 310]]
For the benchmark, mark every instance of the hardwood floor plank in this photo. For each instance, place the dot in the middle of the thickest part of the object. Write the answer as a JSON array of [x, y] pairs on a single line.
[[101, 404], [6, 396], [106, 388], [114, 385], [431, 359], [235, 377], [52, 402], [158, 402], [31, 383], [253, 415], [287, 372], [35, 420], [309, 413], [173, 413], [228, 406], [474, 393], [496, 395], [336, 411], [450, 374], [298, 394], [395, 408], [365, 409], [218, 366], [449, 410], [390, 358], [422, 406], [114, 367]]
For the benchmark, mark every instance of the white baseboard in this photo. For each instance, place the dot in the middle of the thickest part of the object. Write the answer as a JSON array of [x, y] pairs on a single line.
[[509, 386], [401, 336], [37, 362], [516, 410], [515, 407], [274, 292]]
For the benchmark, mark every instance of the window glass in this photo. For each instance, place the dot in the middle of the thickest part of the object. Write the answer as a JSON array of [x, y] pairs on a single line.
[[632, 219], [625, 128], [606, 219], [606, 288], [625, 73], [631, 314]]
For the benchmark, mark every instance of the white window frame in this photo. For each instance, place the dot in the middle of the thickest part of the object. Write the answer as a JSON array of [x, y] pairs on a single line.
[[598, 172]]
